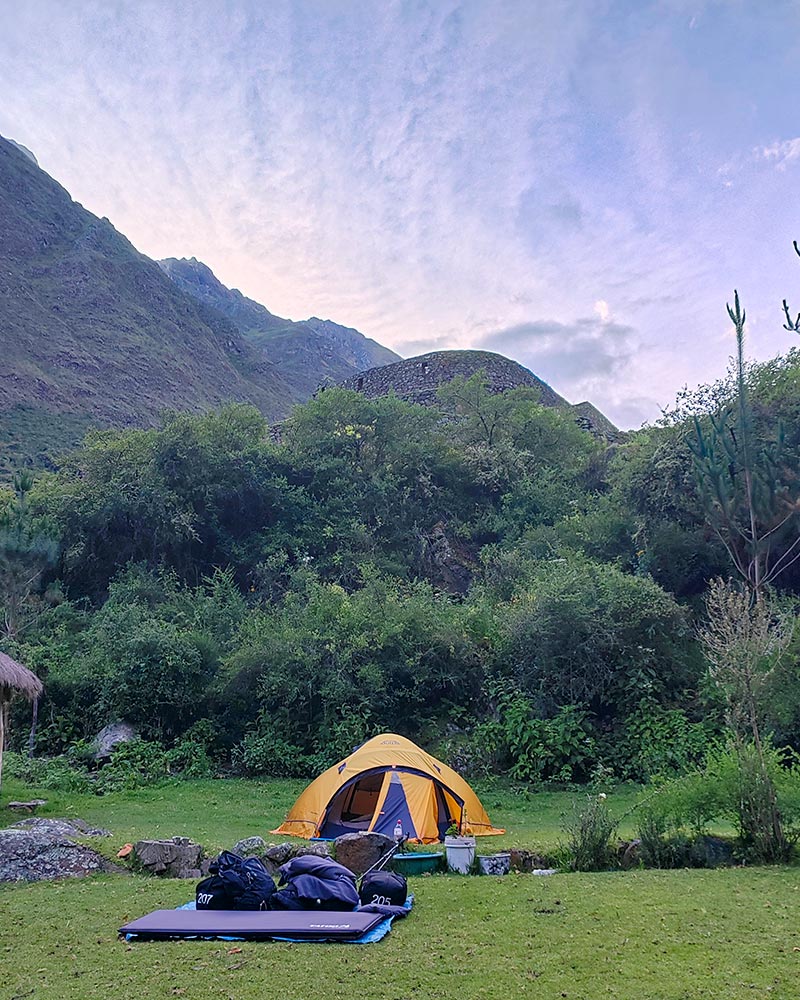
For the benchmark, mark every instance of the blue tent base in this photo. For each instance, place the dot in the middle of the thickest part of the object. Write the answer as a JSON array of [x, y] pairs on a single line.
[[376, 934]]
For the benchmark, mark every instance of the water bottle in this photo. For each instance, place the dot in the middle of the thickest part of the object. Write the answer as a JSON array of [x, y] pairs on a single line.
[[398, 832]]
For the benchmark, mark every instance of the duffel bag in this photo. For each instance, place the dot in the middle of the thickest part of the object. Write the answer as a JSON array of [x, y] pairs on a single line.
[[260, 886], [235, 883], [383, 888], [212, 894]]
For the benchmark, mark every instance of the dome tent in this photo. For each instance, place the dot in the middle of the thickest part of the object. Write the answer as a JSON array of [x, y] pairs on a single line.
[[387, 779]]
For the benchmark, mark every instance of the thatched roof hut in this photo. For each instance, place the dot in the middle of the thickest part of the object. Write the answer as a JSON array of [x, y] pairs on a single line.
[[14, 678]]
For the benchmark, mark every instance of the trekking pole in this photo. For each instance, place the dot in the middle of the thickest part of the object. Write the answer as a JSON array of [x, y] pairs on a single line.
[[386, 857]]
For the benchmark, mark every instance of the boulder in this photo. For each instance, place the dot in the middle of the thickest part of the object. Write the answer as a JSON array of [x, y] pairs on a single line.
[[360, 851], [526, 861], [35, 850], [276, 855], [250, 847], [319, 850], [111, 736], [26, 807], [176, 858], [59, 828]]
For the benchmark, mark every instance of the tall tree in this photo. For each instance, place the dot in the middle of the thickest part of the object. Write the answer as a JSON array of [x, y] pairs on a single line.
[[25, 553], [750, 492]]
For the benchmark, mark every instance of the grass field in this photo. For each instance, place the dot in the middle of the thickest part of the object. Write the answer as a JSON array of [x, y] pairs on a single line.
[[639, 935], [218, 813]]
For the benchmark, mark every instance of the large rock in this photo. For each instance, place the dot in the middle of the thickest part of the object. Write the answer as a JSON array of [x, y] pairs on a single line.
[[250, 847], [176, 858], [111, 736], [360, 851], [35, 850], [59, 828], [320, 850], [711, 852], [276, 855], [526, 861]]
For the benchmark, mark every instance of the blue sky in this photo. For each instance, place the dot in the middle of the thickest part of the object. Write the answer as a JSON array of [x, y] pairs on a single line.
[[579, 185]]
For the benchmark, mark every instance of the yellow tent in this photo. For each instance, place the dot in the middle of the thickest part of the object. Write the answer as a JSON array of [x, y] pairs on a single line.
[[388, 779]]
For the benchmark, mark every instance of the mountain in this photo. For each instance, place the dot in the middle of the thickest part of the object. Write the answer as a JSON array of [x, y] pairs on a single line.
[[308, 352], [92, 332]]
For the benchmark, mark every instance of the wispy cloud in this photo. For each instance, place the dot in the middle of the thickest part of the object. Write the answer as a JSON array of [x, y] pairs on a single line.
[[781, 153]]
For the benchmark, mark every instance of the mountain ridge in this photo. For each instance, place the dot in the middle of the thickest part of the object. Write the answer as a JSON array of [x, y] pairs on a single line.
[[92, 330], [310, 351]]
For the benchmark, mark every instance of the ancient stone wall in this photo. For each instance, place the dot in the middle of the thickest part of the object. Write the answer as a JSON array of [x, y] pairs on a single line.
[[417, 379]]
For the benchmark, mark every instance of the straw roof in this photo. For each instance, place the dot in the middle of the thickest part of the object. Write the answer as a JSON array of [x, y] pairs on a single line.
[[15, 677]]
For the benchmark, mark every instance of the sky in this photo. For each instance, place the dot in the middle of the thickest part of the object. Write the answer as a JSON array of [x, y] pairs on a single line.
[[577, 184]]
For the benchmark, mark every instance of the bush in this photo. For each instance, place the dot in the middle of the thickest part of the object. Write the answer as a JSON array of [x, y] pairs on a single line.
[[479, 753], [733, 786], [133, 765], [59, 774], [589, 832], [557, 749], [262, 754], [190, 759], [660, 741], [661, 844]]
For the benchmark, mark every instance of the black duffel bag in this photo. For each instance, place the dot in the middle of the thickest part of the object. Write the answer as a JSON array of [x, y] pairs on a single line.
[[235, 883], [383, 889], [212, 894]]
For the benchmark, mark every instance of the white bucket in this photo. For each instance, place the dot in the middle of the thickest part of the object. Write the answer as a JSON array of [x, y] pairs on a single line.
[[460, 853], [494, 864]]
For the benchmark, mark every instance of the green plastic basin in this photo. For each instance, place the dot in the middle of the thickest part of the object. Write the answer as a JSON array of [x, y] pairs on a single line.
[[416, 864]]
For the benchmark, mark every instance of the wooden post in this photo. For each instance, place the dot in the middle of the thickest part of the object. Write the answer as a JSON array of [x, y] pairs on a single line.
[[3, 710], [34, 720]]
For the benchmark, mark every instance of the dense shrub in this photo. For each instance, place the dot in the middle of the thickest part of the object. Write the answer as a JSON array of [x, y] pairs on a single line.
[[589, 831], [57, 773], [583, 633], [491, 579], [267, 755], [729, 787]]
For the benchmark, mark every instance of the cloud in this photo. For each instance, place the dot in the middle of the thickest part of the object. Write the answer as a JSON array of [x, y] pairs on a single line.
[[602, 309], [574, 357], [780, 153]]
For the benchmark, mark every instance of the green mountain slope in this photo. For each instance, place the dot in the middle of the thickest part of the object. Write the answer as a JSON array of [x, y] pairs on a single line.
[[94, 333], [307, 352]]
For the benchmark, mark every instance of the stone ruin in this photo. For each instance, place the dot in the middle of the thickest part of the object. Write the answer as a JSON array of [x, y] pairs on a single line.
[[418, 379]]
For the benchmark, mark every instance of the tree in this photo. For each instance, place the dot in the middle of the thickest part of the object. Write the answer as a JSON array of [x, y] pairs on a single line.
[[25, 553], [743, 641], [750, 493], [752, 503]]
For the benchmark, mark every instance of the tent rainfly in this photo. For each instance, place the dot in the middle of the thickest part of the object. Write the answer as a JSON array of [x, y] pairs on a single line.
[[14, 678], [388, 779]]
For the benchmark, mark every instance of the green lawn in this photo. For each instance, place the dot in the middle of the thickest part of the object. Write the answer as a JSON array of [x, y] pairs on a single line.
[[636, 935], [218, 813], [639, 935]]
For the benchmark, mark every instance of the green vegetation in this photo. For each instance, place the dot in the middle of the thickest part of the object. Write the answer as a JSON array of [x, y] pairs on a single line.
[[486, 578]]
